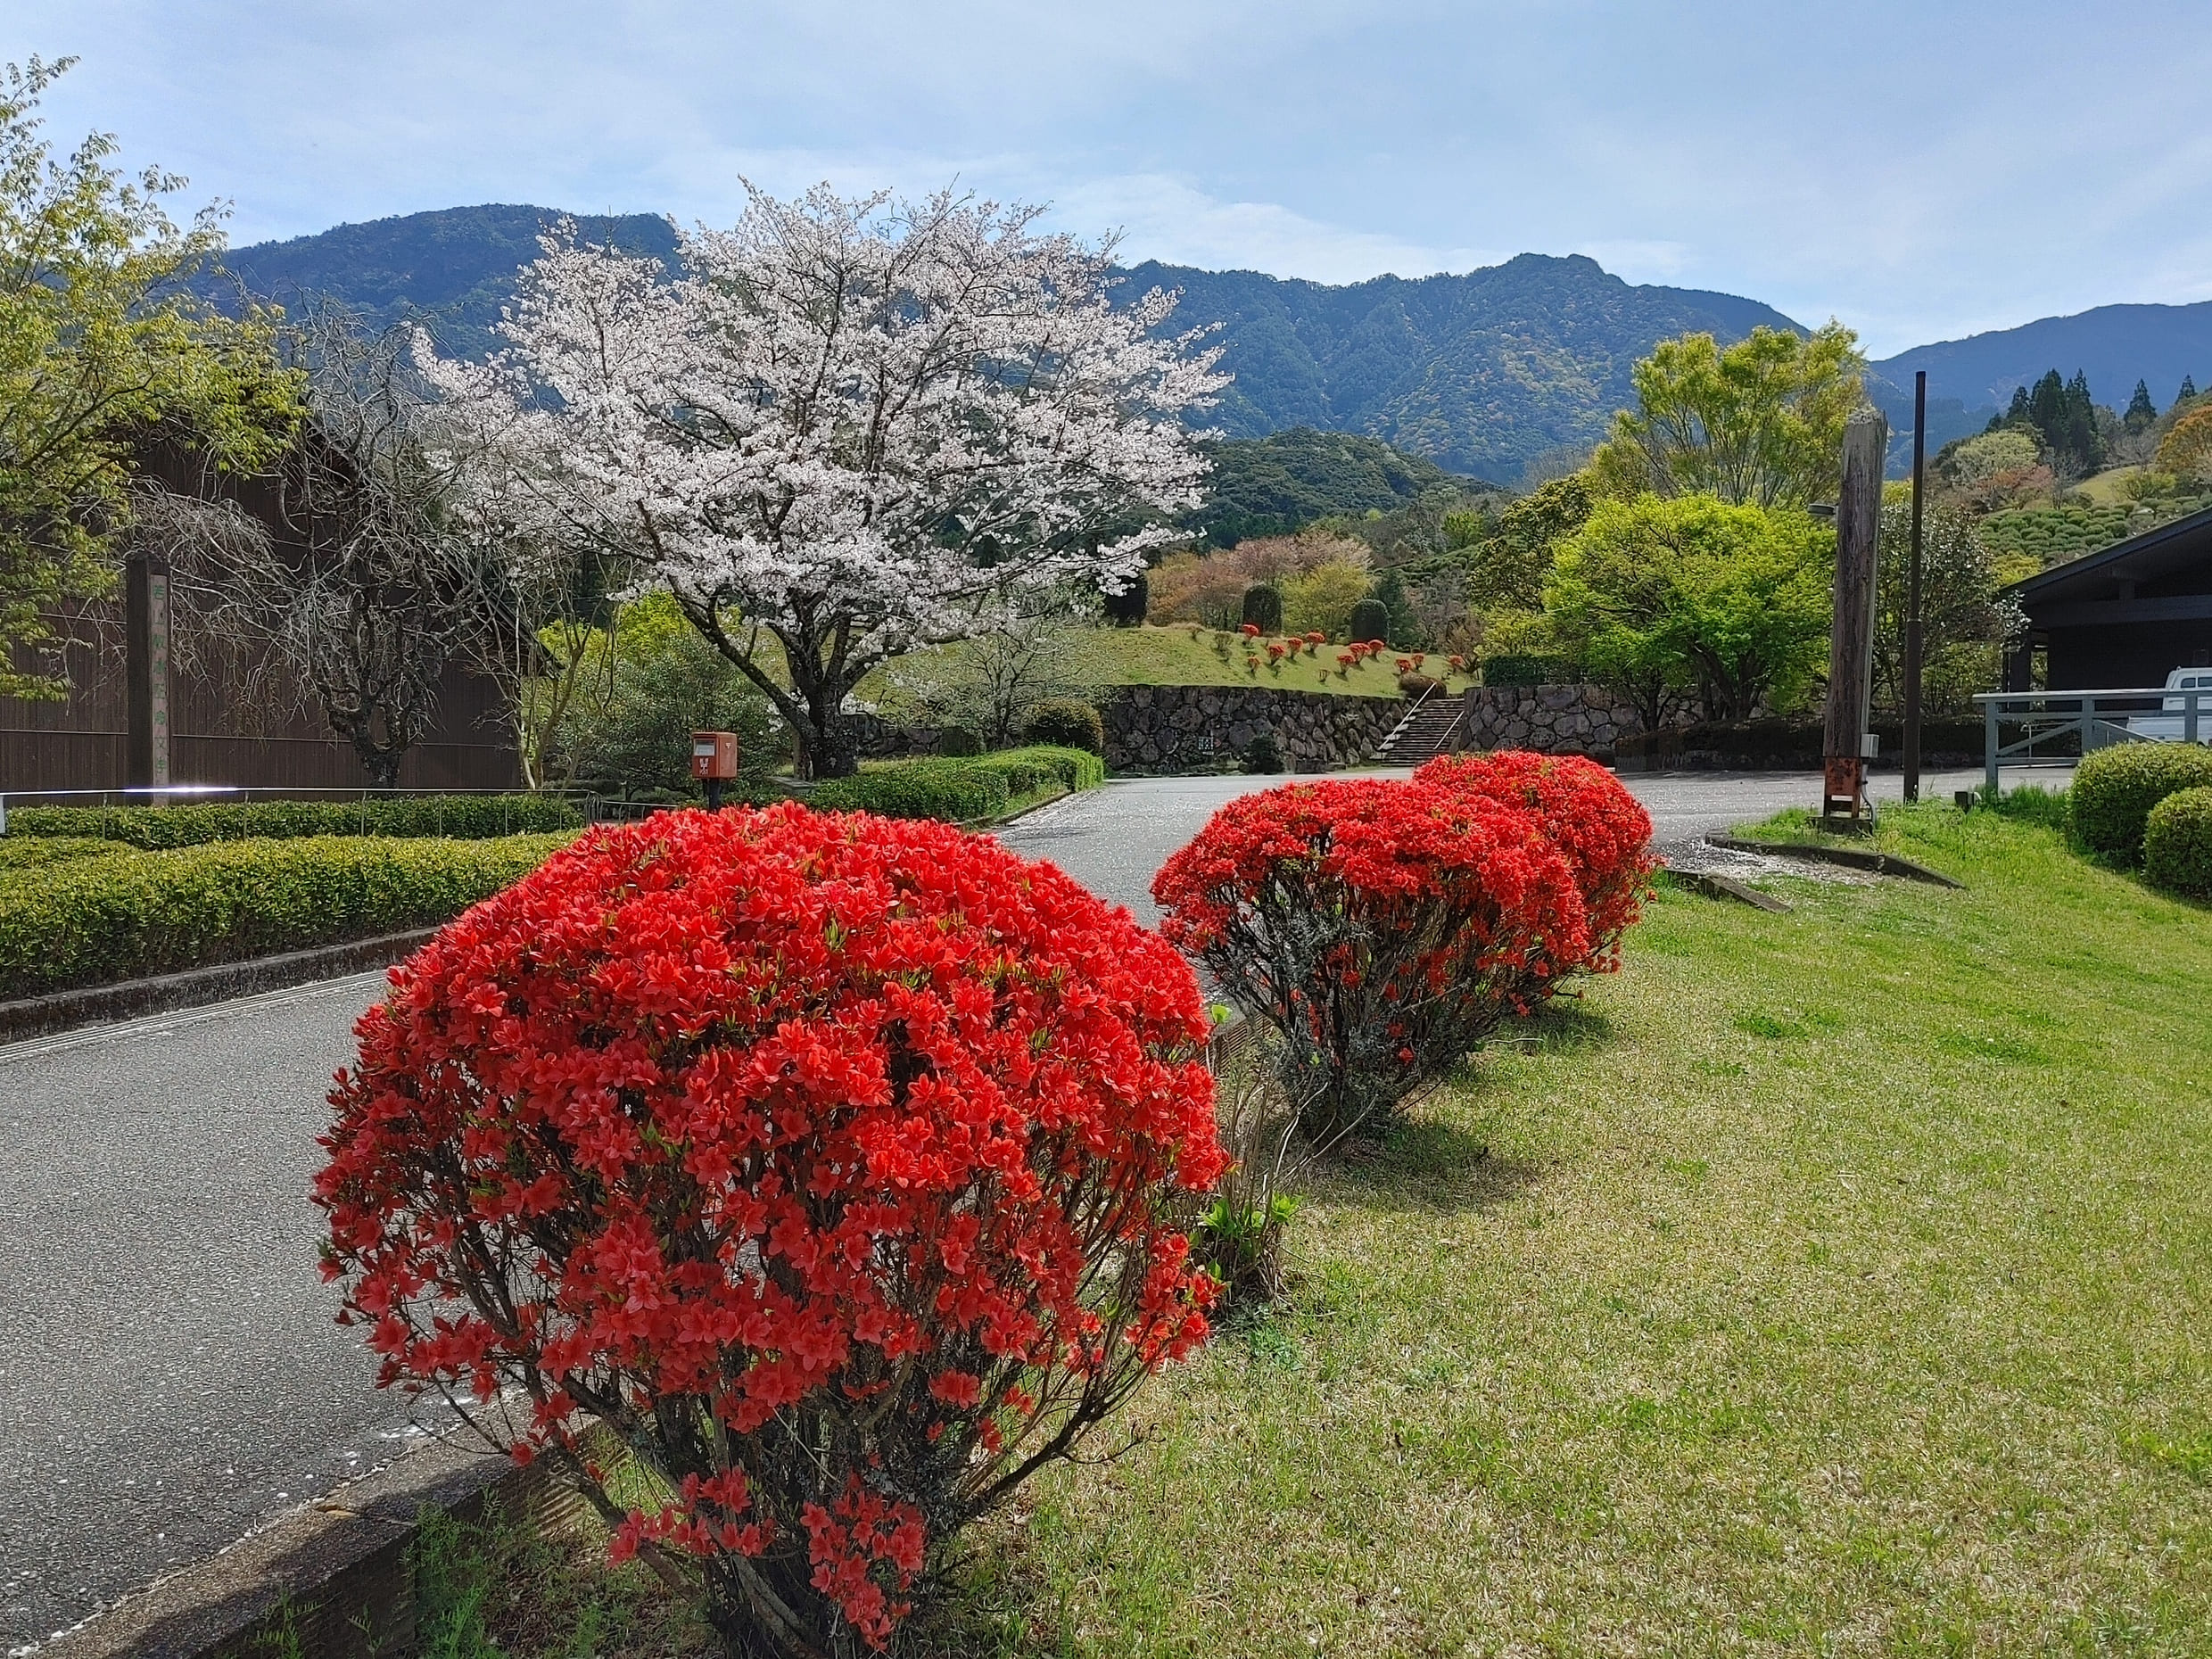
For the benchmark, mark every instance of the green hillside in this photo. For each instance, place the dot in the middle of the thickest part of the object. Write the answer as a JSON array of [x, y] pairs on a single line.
[[1274, 485]]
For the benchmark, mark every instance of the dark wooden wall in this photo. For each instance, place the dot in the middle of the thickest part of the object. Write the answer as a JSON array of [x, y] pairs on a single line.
[[220, 737]]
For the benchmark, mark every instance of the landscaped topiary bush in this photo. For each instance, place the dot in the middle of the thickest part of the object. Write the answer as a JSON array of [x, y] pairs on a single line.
[[1371, 622], [469, 817], [2115, 788], [92, 920], [1263, 609], [833, 1163], [1067, 723], [2177, 844], [1383, 928]]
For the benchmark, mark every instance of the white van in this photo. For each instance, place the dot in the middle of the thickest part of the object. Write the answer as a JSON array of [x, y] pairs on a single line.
[[2171, 723]]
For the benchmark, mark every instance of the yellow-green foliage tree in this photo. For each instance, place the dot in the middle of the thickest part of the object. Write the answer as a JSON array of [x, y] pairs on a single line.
[[2186, 450], [98, 346], [1665, 599], [1761, 423]]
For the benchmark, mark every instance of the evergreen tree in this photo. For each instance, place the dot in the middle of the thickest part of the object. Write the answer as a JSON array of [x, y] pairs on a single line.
[[2141, 411], [2188, 394], [2017, 415]]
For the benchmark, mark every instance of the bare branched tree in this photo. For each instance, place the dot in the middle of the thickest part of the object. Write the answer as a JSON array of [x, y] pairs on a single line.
[[348, 563]]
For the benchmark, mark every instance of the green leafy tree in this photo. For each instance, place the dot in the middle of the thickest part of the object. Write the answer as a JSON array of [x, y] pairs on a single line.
[[1661, 597], [1506, 569], [99, 346], [1964, 618], [1761, 422]]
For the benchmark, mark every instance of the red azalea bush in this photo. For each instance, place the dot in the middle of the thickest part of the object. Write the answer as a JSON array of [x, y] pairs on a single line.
[[831, 1162], [1602, 829], [1382, 927]]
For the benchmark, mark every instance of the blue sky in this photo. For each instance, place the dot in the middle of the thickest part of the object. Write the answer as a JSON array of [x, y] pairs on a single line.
[[1921, 169]]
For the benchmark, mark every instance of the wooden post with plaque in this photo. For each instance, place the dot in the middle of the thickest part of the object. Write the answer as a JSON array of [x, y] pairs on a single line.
[[1847, 746]]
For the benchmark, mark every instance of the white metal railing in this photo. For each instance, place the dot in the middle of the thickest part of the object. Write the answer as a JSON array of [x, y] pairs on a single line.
[[2094, 720]]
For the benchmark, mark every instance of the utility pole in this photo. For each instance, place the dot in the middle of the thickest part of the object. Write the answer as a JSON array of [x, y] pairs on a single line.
[[1851, 640], [1912, 593]]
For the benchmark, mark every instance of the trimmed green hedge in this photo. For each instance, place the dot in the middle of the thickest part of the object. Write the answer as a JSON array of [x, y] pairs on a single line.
[[2177, 844], [91, 920], [1066, 723], [2115, 788], [467, 817], [959, 791], [35, 852]]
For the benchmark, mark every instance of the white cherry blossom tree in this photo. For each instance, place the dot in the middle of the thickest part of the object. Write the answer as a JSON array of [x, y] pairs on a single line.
[[846, 428]]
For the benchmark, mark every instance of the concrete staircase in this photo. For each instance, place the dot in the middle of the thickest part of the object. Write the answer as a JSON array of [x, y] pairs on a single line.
[[1430, 727]]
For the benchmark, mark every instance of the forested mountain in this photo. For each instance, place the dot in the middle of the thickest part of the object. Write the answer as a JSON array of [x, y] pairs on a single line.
[[1483, 372], [456, 267]]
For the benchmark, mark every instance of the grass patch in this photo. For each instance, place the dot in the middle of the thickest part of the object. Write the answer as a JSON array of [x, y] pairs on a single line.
[[1171, 657], [1834, 1281]]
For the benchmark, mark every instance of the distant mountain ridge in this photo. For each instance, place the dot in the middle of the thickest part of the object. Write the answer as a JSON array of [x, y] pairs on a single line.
[[1482, 373]]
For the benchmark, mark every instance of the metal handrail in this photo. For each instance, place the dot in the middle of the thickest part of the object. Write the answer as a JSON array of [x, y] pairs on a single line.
[[2090, 717]]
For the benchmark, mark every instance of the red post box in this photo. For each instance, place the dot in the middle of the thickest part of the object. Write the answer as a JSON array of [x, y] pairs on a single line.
[[714, 761], [713, 755]]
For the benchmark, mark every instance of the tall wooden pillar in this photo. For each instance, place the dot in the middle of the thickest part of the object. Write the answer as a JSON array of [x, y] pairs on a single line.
[[146, 647], [1850, 641]]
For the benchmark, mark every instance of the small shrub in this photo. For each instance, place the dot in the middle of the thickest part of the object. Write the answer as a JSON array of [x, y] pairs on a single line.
[[1371, 622], [2177, 844], [833, 1163], [1263, 755], [155, 828], [959, 743], [1263, 609], [2115, 788], [1382, 929], [1067, 723], [1413, 683], [92, 920]]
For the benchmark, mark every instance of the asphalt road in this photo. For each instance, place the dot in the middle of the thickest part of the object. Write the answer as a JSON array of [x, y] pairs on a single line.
[[169, 1375]]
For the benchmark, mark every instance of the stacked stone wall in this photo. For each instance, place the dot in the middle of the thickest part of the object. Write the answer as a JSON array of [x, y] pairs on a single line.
[[1551, 720], [1179, 729]]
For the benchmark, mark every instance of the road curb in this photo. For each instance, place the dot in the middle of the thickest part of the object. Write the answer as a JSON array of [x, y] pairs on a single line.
[[332, 1581], [104, 1005], [1855, 858]]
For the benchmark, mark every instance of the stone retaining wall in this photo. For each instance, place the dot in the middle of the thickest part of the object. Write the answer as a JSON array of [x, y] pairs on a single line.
[[1551, 720], [1173, 728]]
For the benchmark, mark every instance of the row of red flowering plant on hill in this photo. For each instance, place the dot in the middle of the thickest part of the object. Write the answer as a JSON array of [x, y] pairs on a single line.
[[1383, 928], [839, 1165]]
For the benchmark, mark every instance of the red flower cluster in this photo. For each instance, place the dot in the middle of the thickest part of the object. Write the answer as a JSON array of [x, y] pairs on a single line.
[[1274, 650], [1602, 829], [1385, 927], [1250, 630], [829, 1160]]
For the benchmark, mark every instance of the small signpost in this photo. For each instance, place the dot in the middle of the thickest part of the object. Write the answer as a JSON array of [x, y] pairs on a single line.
[[714, 762], [146, 653], [1847, 745]]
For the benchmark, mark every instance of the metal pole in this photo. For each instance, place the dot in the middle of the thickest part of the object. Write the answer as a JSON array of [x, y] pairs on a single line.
[[1912, 595]]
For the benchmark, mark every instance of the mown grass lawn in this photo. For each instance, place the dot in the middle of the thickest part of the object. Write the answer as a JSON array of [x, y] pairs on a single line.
[[1839, 1282]]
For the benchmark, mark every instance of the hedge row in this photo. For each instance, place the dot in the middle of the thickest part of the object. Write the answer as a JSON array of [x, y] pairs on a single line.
[[470, 817], [37, 852], [90, 921], [959, 791]]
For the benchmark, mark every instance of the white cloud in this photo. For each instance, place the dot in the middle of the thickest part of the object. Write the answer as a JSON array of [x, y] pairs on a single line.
[[1172, 221]]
